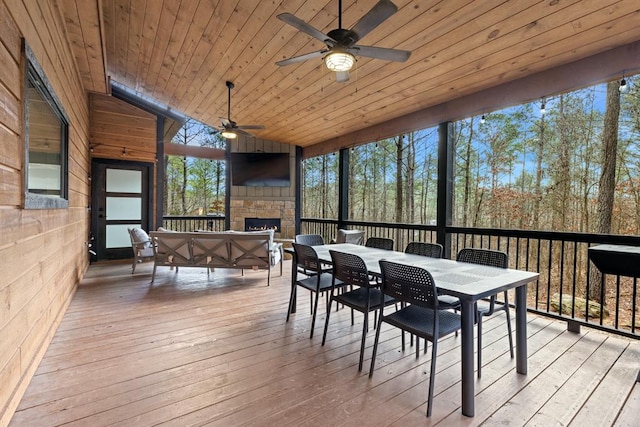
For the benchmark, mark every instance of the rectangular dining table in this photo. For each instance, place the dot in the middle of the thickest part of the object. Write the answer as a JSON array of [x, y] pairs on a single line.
[[468, 282]]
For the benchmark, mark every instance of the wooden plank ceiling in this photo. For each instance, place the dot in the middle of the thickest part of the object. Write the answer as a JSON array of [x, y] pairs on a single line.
[[181, 54]]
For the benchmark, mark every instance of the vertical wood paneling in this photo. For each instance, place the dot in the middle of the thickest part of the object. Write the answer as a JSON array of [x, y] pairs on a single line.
[[43, 251]]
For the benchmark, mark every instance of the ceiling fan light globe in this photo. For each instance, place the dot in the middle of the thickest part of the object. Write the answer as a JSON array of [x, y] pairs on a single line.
[[228, 134], [339, 61]]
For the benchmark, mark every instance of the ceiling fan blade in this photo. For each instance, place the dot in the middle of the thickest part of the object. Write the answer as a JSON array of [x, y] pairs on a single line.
[[301, 58], [376, 16], [342, 76], [304, 27], [255, 127], [381, 53], [241, 132]]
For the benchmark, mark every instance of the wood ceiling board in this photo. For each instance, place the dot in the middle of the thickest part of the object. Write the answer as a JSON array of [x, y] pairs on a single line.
[[400, 102], [200, 20], [135, 29], [250, 60], [188, 49], [230, 66], [202, 65], [369, 84]]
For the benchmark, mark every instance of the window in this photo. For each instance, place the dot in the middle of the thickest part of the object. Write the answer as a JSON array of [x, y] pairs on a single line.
[[46, 141]]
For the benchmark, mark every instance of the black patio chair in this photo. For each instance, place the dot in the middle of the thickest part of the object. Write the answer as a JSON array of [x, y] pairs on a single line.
[[309, 239], [421, 315], [316, 280], [379, 243], [432, 250], [490, 258], [350, 269]]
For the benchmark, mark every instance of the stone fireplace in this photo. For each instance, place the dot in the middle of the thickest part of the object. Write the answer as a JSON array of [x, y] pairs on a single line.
[[251, 203]]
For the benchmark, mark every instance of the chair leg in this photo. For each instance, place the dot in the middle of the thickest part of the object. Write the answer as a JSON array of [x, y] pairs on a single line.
[[326, 322], [365, 328], [133, 266], [432, 375], [313, 316], [291, 298], [375, 346], [153, 275]]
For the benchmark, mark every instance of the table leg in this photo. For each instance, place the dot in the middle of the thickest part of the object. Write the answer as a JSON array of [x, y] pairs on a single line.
[[521, 329], [294, 269], [468, 381]]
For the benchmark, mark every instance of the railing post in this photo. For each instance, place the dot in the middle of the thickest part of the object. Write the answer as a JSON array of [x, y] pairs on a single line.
[[298, 190], [343, 187], [160, 175], [227, 185], [445, 186]]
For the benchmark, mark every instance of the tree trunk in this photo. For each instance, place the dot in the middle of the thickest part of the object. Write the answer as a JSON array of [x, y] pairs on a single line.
[[410, 186], [538, 186], [399, 179], [606, 186], [467, 178], [323, 204]]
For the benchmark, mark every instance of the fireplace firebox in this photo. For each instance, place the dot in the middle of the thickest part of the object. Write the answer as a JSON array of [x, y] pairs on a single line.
[[257, 224]]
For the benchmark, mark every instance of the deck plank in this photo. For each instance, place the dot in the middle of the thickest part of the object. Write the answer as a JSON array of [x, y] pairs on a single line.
[[198, 349]]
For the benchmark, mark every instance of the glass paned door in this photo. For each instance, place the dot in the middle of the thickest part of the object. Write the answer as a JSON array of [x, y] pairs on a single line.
[[120, 201]]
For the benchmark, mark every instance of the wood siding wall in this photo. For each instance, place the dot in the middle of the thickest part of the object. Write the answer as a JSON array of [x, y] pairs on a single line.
[[117, 126], [43, 252]]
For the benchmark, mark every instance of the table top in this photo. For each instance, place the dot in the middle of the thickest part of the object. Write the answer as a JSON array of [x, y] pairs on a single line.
[[460, 279]]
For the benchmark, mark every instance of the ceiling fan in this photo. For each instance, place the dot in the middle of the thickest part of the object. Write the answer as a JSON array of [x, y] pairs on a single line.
[[341, 43], [231, 129]]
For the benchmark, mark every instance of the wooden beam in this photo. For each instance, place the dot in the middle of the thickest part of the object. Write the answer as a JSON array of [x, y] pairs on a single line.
[[194, 151], [595, 69]]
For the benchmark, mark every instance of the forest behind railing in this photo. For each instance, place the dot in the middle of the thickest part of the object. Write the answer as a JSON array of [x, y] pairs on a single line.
[[518, 168]]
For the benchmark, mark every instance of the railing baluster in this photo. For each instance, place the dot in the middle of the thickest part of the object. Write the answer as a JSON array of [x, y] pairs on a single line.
[[566, 274]]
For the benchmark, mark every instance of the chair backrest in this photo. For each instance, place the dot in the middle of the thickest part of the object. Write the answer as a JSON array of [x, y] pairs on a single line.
[[139, 237], [309, 239], [307, 258], [487, 257], [350, 269], [380, 243], [433, 250], [350, 236], [171, 247], [408, 283]]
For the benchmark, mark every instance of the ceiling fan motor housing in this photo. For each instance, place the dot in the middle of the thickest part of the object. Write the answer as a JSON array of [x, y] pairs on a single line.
[[344, 37]]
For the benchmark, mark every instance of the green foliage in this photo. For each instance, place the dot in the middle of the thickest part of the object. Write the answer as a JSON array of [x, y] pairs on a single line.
[[195, 186], [517, 170]]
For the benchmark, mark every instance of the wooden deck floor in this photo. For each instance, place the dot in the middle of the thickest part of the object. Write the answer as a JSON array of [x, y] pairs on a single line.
[[198, 350]]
